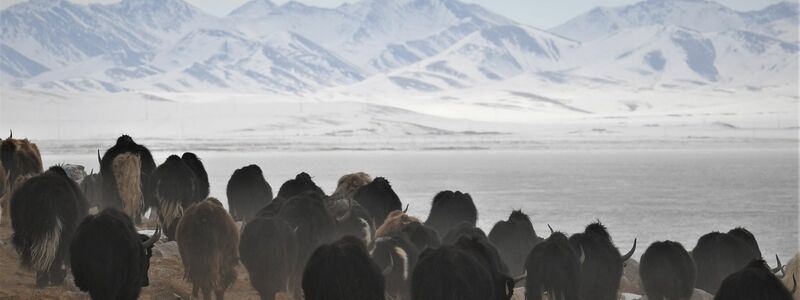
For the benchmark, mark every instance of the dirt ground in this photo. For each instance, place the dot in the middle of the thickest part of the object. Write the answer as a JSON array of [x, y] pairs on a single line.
[[166, 277]]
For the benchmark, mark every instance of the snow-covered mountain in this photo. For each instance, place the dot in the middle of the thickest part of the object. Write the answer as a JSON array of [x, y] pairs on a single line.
[[779, 20], [399, 45]]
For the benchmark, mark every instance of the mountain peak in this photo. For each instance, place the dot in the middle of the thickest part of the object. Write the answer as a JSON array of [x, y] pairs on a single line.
[[254, 8]]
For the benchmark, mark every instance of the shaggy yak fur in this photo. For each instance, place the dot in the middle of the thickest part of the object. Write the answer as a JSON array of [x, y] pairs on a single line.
[[451, 273], [667, 271], [248, 192], [717, 255], [208, 241], [754, 281], [449, 209], [514, 239], [45, 211], [109, 258], [201, 177], [268, 251], [126, 169], [175, 192], [602, 269], [348, 185], [379, 199], [395, 222], [342, 270], [553, 270], [19, 158]]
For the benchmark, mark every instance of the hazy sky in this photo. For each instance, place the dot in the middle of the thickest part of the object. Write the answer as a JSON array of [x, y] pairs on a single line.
[[539, 13]]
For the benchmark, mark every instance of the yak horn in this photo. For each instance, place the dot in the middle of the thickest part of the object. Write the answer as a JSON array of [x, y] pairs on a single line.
[[10, 134], [794, 285], [406, 210], [583, 256], [99, 160], [388, 268], [628, 255], [520, 277], [92, 173], [779, 268], [153, 239], [551, 229]]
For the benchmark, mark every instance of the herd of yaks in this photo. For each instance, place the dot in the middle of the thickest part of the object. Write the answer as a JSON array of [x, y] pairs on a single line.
[[356, 244]]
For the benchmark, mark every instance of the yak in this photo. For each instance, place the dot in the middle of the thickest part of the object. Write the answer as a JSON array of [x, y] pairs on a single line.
[[342, 270], [268, 250], [395, 222], [396, 255], [45, 212], [667, 271], [422, 236], [126, 169], [248, 192], [717, 255], [19, 158], [488, 256], [109, 259], [314, 226], [602, 269], [514, 239], [357, 222], [449, 209], [348, 184], [300, 184], [450, 273], [378, 198], [174, 185], [462, 229], [754, 281], [553, 269], [92, 188], [201, 186], [208, 241]]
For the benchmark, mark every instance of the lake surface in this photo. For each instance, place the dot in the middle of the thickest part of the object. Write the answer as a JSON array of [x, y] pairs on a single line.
[[648, 194]]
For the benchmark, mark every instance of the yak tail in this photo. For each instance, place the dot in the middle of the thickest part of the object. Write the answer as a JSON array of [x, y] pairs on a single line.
[[170, 211], [127, 172], [44, 250]]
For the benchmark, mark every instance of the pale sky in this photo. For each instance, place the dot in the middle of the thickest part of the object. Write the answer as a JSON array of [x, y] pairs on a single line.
[[539, 13]]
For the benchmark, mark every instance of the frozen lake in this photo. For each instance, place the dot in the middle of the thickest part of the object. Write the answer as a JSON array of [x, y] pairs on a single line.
[[649, 194]]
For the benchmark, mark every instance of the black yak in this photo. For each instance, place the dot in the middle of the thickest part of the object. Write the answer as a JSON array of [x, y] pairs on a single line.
[[449, 209], [553, 269], [174, 184], [268, 250], [45, 211], [514, 239], [754, 281], [450, 273], [462, 229], [355, 221], [488, 256], [300, 184], [201, 186], [602, 269], [422, 236], [92, 187], [667, 271], [19, 158], [378, 198], [109, 259], [126, 169], [314, 226], [342, 270], [208, 241], [718, 255], [396, 255], [248, 192]]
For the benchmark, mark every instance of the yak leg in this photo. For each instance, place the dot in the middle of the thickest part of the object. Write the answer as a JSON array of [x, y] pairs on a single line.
[[194, 291], [206, 293], [220, 294], [4, 205]]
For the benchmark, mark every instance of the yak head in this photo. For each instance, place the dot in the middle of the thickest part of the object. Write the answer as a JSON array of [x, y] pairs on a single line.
[[147, 248]]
